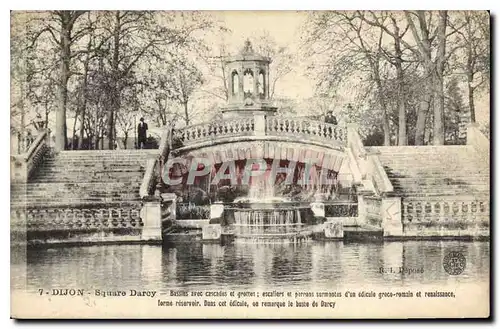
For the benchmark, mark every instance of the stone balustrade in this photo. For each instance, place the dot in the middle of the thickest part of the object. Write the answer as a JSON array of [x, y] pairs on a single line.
[[303, 128], [213, 130], [446, 209]]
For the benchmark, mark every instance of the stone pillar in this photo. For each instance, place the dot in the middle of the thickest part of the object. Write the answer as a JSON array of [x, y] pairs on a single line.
[[391, 216], [318, 209], [216, 210], [259, 124], [267, 84], [168, 206], [217, 213], [151, 217], [240, 83], [255, 81]]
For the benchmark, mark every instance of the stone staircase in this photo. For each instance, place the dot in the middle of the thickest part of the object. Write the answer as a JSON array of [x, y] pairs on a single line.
[[84, 177], [79, 187], [435, 171]]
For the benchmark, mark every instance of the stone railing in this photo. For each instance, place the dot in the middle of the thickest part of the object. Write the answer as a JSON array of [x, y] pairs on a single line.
[[446, 210], [355, 143], [305, 128], [154, 166], [259, 126], [72, 219], [213, 130], [150, 178], [24, 165], [378, 174], [367, 166]]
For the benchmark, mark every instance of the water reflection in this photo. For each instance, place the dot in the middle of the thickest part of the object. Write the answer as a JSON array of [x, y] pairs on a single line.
[[247, 266]]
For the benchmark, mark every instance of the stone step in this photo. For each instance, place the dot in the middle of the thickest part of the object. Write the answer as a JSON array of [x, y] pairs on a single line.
[[104, 174], [101, 153], [81, 205], [468, 156], [428, 167], [435, 182], [419, 172], [93, 166], [436, 169], [439, 182], [407, 177], [68, 184], [68, 194], [440, 191], [458, 198], [76, 171], [96, 160], [436, 194]]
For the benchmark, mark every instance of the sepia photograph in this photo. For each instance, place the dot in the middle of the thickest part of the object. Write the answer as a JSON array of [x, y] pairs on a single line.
[[250, 164]]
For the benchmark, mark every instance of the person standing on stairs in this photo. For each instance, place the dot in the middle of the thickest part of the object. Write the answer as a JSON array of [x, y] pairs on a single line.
[[142, 129]]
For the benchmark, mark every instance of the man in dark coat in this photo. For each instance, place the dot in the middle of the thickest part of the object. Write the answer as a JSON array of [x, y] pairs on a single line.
[[142, 129], [331, 119]]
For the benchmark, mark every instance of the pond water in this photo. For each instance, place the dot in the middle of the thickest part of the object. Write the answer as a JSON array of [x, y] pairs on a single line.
[[312, 264]]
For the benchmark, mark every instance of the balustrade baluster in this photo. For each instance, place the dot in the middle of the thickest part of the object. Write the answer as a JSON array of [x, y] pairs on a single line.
[[441, 211], [415, 212], [433, 210]]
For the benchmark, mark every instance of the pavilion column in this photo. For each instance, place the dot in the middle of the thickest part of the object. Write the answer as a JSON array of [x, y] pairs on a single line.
[[266, 85], [255, 81], [240, 82]]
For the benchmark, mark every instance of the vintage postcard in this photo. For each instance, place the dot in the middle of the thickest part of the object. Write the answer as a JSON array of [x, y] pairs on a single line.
[[250, 164]]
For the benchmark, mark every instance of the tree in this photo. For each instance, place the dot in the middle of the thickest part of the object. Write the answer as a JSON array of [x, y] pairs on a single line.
[[182, 80], [140, 36], [396, 59], [473, 28], [281, 58], [433, 61], [61, 26]]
